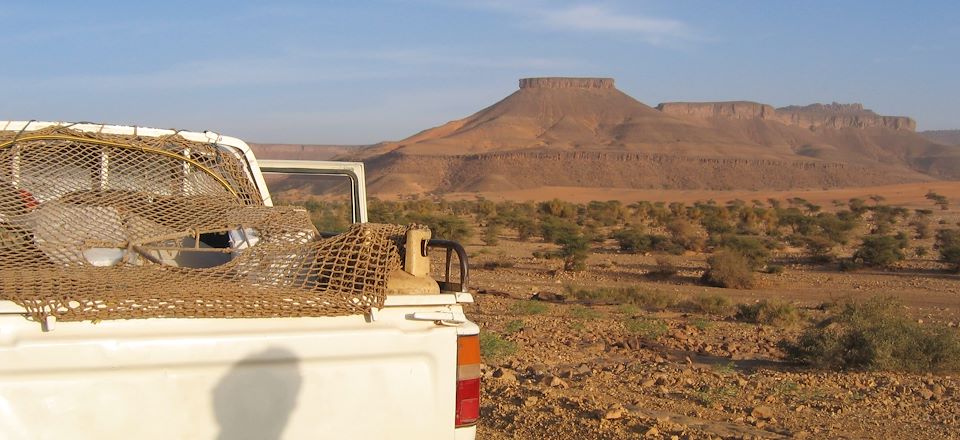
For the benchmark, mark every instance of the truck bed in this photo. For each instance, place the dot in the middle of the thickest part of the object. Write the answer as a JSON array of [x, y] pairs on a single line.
[[331, 377]]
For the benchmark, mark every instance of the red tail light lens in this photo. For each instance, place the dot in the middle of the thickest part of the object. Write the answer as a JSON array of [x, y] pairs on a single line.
[[468, 380]]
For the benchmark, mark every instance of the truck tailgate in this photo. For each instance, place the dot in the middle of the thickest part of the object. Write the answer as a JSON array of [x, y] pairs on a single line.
[[337, 377]]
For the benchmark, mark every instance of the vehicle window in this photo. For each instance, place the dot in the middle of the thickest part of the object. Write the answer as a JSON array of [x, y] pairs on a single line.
[[326, 197]]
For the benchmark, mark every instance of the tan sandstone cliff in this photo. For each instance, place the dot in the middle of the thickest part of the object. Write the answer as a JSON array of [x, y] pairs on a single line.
[[814, 116]]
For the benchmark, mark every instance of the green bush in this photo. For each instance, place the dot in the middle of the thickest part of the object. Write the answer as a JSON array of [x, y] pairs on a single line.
[[587, 313], [574, 249], [880, 251], [514, 326], [491, 234], [755, 249], [526, 227], [528, 307], [729, 269], [836, 227], [632, 239], [555, 228], [648, 328], [768, 312], [875, 335], [819, 246], [718, 305], [493, 347], [948, 243], [445, 226]]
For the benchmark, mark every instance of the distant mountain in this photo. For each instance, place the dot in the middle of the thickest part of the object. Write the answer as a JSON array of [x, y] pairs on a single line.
[[302, 151], [584, 132], [949, 137]]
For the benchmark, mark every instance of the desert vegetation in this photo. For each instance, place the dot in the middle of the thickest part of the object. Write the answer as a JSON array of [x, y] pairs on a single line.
[[738, 238], [706, 320]]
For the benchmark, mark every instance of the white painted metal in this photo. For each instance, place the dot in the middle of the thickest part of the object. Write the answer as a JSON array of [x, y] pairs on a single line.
[[337, 377], [353, 170]]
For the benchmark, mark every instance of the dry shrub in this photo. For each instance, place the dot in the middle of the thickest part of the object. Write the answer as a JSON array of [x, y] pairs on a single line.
[[709, 304], [666, 268], [649, 300], [497, 264], [729, 269], [768, 312], [875, 335]]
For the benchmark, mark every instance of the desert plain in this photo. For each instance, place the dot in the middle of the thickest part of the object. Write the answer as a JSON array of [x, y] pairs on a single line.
[[693, 270]]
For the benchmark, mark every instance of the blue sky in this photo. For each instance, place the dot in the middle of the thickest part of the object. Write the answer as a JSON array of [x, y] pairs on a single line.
[[351, 72]]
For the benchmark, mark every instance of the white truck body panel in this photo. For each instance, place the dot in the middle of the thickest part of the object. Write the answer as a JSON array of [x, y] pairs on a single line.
[[388, 375], [341, 377]]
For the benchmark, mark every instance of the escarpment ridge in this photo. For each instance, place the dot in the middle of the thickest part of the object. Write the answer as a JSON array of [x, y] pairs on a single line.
[[812, 116], [585, 132]]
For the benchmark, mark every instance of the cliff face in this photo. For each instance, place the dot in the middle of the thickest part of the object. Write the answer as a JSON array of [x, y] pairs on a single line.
[[812, 116], [841, 116], [946, 137], [730, 110], [566, 83]]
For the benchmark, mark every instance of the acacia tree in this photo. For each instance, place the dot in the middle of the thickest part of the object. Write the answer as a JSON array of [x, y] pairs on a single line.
[[938, 199]]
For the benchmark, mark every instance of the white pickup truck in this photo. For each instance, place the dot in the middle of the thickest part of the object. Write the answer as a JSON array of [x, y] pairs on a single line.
[[407, 368]]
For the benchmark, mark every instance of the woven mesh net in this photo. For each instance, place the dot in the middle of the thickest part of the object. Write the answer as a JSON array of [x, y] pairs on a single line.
[[97, 226]]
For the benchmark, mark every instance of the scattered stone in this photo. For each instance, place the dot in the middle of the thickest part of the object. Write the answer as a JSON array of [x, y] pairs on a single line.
[[762, 412], [554, 382], [614, 413], [926, 394], [937, 391], [505, 375], [652, 432]]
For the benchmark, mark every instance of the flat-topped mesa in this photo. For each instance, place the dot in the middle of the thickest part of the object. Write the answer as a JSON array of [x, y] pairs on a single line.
[[837, 115], [566, 83], [855, 108], [731, 110], [812, 116]]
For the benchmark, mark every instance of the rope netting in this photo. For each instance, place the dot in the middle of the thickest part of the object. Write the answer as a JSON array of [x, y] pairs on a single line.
[[100, 226]]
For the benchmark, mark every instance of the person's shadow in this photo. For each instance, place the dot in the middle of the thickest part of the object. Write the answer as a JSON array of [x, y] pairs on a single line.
[[256, 397]]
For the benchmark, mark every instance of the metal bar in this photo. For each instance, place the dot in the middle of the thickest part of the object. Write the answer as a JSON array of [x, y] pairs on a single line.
[[450, 245]]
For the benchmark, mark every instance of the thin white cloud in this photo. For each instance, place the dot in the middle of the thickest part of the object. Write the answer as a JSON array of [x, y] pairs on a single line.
[[426, 56], [290, 68], [595, 18], [591, 18]]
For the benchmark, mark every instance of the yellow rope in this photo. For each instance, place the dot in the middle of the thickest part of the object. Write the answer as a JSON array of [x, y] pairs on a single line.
[[173, 155]]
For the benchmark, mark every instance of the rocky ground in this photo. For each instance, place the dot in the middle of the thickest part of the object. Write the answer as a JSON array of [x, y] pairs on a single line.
[[571, 370]]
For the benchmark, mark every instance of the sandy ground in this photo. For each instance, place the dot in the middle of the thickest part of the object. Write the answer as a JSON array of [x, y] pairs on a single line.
[[908, 194], [580, 372]]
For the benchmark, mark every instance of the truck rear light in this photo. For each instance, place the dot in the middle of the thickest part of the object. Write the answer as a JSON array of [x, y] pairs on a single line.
[[468, 380]]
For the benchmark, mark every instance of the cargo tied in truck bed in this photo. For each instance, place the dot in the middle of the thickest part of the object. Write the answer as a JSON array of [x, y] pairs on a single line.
[[106, 226]]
